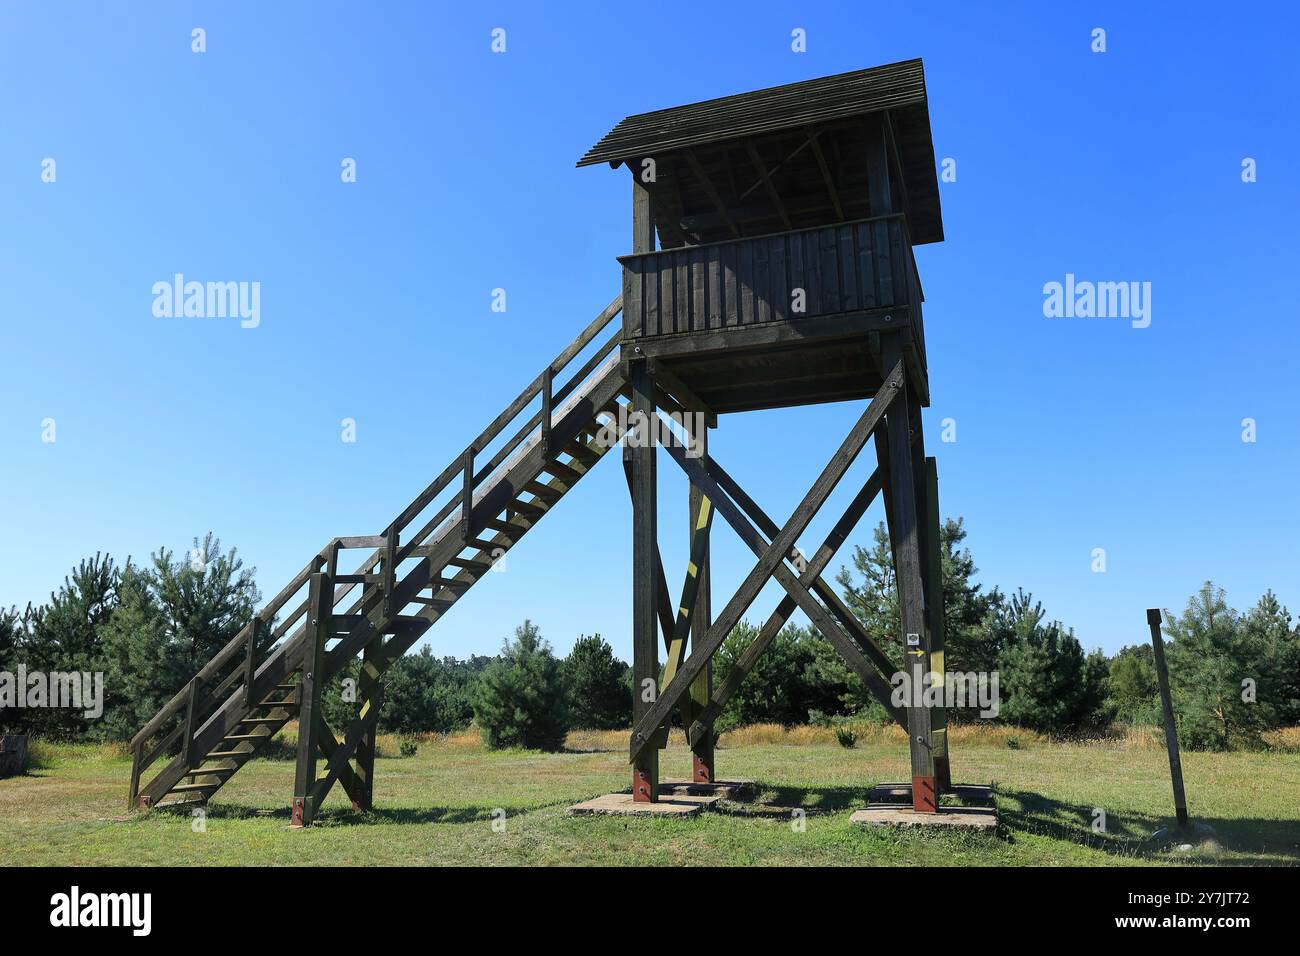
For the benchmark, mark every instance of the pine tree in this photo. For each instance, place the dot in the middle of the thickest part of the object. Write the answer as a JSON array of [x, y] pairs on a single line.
[[1046, 680], [1214, 661], [521, 700], [598, 696]]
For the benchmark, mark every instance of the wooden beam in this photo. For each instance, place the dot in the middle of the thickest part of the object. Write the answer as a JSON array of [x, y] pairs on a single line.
[[703, 755], [707, 185], [911, 595], [772, 194], [320, 607], [645, 522], [934, 604], [826, 174]]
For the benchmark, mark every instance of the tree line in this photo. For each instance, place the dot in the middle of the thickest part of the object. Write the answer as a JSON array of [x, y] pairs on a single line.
[[149, 627]]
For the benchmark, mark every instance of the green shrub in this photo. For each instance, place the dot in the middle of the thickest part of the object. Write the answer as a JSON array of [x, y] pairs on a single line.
[[521, 700], [408, 747], [847, 737]]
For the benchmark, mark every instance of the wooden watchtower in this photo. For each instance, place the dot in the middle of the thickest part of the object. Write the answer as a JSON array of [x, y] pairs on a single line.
[[783, 275]]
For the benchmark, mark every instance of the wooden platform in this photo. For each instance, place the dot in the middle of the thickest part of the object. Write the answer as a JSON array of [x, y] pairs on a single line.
[[948, 818]]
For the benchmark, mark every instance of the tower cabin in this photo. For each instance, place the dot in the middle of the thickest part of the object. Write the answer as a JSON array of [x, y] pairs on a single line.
[[785, 220]]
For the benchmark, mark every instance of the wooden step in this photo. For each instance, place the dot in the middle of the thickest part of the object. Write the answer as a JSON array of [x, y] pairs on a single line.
[[187, 787], [249, 736], [450, 583], [563, 472], [469, 564], [505, 527], [549, 492], [526, 508], [442, 603], [212, 772], [228, 754]]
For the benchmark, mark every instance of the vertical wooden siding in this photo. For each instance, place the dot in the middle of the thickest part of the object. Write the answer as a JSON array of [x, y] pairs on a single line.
[[842, 268]]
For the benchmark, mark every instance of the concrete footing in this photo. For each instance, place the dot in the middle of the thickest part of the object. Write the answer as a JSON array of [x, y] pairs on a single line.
[[947, 818], [676, 799], [890, 805]]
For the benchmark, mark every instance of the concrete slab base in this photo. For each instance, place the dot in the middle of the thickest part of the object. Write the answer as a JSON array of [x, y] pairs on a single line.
[[622, 804], [947, 818], [725, 789]]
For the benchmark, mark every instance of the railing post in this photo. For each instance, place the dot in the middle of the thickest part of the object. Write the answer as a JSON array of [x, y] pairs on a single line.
[[548, 381], [137, 754], [250, 659], [467, 493], [390, 560], [190, 708]]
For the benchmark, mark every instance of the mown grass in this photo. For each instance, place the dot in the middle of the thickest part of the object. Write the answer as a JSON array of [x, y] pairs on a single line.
[[437, 807]]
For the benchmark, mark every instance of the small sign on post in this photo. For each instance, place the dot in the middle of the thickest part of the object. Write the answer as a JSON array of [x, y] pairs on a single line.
[[1167, 703]]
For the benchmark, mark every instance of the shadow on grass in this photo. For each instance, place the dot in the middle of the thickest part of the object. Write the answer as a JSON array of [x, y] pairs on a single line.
[[1269, 842], [340, 816]]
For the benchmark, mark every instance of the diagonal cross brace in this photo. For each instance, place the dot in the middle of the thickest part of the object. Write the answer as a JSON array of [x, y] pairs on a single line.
[[771, 558], [796, 589], [828, 595], [741, 668]]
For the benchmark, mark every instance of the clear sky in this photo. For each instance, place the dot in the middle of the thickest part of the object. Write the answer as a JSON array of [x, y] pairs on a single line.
[[1072, 433]]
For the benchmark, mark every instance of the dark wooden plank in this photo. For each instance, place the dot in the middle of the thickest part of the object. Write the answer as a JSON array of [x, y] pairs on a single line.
[[866, 267], [650, 292], [713, 284], [730, 285], [778, 279], [745, 282], [633, 314], [667, 295], [645, 644], [682, 285], [762, 285], [884, 265], [812, 264], [899, 266], [699, 314], [798, 280], [830, 271], [850, 298]]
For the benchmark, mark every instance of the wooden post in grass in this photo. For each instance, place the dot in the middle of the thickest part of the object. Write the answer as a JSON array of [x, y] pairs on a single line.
[[1167, 702]]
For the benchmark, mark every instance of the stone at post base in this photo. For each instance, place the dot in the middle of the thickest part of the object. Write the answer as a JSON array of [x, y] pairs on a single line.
[[13, 755]]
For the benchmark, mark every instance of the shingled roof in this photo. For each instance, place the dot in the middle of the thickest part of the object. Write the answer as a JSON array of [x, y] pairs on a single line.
[[897, 88]]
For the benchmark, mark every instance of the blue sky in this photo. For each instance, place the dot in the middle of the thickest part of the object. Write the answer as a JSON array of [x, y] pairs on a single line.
[[1072, 434]]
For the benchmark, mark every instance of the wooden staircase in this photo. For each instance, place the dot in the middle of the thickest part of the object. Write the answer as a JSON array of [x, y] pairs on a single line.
[[432, 554]]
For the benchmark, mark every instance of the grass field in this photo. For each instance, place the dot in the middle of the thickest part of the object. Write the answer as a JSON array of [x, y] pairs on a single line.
[[437, 807]]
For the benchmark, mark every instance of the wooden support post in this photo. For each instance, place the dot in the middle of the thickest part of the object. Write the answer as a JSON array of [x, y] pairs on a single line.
[[137, 755], [645, 637], [320, 608], [901, 484], [371, 690], [1167, 703], [934, 605], [390, 566], [703, 766]]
